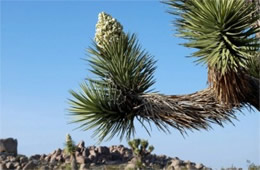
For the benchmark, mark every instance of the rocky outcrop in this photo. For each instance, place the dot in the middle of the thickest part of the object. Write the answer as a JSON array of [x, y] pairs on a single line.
[[92, 156], [9, 146], [177, 164]]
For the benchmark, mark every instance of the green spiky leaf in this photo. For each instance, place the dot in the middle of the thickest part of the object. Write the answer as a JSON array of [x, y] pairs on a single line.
[[221, 30], [123, 71]]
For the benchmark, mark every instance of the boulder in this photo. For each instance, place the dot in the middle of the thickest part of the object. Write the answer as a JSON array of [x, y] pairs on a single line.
[[60, 158], [44, 168], [13, 159], [36, 157], [23, 159], [103, 150], [53, 158], [47, 158], [77, 153], [42, 157], [130, 166], [115, 156], [18, 168], [92, 153], [92, 158], [29, 166], [8, 145], [83, 167], [2, 157], [2, 166], [81, 144], [199, 166], [93, 164], [16, 164], [85, 152], [58, 152], [80, 159], [174, 164], [9, 165], [53, 161]]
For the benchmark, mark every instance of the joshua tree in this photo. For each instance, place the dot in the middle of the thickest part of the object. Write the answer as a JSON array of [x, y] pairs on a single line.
[[222, 33], [141, 150], [220, 30], [70, 149]]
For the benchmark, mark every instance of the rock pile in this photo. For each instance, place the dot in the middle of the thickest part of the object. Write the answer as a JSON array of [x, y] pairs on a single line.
[[90, 156], [8, 145]]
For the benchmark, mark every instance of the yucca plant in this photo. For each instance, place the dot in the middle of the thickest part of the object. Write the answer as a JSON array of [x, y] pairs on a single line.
[[222, 33], [123, 72], [121, 91]]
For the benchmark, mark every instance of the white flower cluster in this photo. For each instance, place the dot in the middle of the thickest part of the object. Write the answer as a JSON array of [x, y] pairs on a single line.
[[107, 29], [68, 138]]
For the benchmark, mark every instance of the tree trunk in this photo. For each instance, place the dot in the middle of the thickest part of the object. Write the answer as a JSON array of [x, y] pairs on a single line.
[[73, 162], [193, 111]]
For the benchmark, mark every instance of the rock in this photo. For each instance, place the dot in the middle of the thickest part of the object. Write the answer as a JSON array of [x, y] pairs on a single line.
[[80, 159], [83, 167], [9, 165], [67, 161], [18, 168], [53, 161], [47, 158], [92, 164], [42, 157], [174, 164], [85, 152], [115, 156], [87, 160], [190, 167], [23, 159], [2, 158], [35, 162], [177, 162], [3, 166], [23, 164], [73, 163], [92, 158], [91, 147], [29, 166], [36, 157], [81, 144], [103, 150], [16, 164], [199, 166], [53, 158], [92, 152], [130, 166], [58, 152], [133, 160], [103, 161], [66, 156], [187, 162], [60, 158], [8, 145], [54, 152], [11, 158], [44, 168], [77, 153]]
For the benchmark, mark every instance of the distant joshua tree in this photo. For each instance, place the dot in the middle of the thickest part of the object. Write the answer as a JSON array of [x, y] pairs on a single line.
[[70, 149], [140, 150], [226, 42]]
